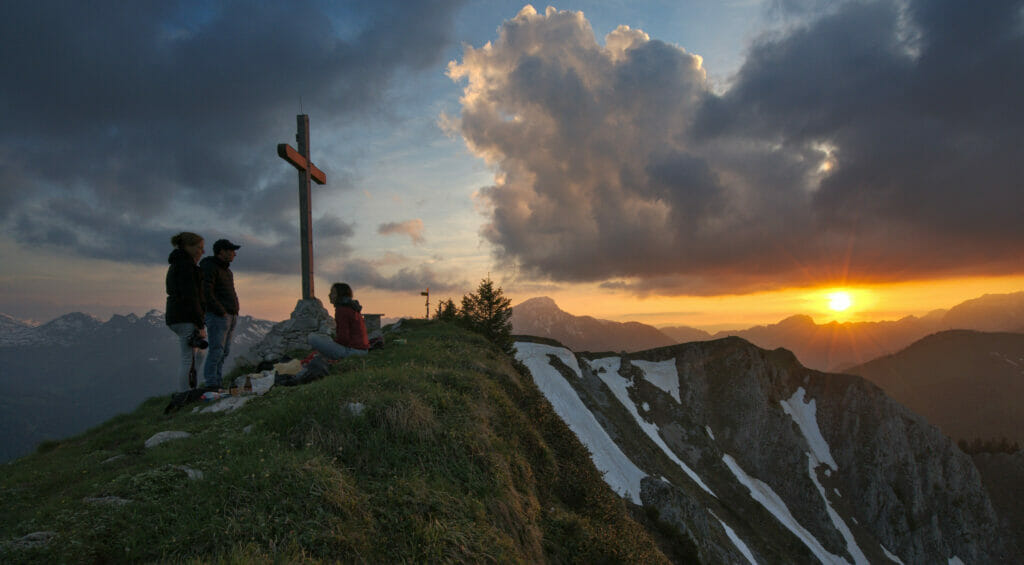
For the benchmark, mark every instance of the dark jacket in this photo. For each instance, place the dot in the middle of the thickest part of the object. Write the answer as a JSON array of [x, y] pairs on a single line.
[[219, 287], [350, 330], [184, 290]]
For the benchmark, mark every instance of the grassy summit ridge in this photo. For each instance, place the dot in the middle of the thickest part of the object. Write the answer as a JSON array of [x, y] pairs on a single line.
[[455, 456]]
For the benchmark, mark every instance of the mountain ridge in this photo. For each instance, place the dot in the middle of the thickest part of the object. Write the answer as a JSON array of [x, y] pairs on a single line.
[[738, 426], [439, 447], [114, 365], [966, 382], [831, 346], [432, 449], [542, 317]]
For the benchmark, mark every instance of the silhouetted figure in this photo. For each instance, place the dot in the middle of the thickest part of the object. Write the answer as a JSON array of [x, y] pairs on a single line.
[[221, 307], [185, 307]]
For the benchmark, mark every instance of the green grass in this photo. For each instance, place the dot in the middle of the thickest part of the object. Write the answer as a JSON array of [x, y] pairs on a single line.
[[455, 457]]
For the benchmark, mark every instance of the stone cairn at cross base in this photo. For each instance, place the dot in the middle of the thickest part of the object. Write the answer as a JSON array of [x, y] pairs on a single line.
[[309, 317]]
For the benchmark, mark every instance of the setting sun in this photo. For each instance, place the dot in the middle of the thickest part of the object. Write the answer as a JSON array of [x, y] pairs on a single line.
[[839, 301]]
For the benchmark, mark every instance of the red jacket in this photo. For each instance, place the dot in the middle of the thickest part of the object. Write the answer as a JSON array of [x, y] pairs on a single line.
[[350, 330]]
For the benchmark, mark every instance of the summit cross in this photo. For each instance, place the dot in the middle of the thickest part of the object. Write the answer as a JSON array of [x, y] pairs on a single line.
[[307, 170]]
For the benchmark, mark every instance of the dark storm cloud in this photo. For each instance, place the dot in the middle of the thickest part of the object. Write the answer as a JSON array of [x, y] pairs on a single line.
[[136, 109], [878, 141]]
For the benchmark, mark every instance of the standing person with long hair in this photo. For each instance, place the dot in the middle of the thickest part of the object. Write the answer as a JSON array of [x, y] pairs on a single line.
[[350, 329], [185, 306]]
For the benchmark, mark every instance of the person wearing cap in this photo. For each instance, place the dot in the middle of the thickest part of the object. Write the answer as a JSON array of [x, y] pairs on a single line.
[[221, 308]]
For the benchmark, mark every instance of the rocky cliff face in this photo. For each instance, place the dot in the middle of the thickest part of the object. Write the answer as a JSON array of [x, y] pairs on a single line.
[[751, 457]]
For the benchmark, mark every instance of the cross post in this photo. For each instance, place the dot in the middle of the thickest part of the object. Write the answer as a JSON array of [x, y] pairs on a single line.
[[307, 170]]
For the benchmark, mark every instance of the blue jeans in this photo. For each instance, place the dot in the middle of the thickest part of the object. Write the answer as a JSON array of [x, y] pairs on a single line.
[[219, 330], [186, 351], [330, 348]]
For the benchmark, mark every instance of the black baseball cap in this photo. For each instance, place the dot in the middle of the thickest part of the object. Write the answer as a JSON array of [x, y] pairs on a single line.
[[224, 244]]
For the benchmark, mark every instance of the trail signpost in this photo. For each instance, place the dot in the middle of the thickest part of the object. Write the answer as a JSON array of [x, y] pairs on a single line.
[[307, 170]]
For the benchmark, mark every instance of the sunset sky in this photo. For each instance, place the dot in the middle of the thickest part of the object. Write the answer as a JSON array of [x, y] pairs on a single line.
[[716, 164]]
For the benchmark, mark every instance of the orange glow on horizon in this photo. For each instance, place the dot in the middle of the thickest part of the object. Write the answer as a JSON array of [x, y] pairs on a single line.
[[273, 298], [869, 303]]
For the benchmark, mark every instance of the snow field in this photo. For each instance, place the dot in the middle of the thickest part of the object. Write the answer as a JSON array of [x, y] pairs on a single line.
[[771, 501], [891, 556], [619, 387], [837, 520], [805, 415], [662, 374], [618, 471], [736, 540]]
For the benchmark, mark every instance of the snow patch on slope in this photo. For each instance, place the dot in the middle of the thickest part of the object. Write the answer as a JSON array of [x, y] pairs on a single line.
[[662, 374], [837, 520], [736, 540], [605, 365], [805, 416], [620, 388], [764, 494], [619, 472], [563, 355], [889, 554]]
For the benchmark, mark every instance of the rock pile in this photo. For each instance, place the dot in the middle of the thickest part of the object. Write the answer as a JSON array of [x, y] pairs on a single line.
[[309, 316]]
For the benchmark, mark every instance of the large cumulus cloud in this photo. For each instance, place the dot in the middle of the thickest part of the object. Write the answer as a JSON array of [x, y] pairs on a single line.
[[124, 122], [874, 142]]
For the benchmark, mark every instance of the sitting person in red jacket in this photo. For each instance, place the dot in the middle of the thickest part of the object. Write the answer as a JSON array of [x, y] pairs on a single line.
[[350, 332]]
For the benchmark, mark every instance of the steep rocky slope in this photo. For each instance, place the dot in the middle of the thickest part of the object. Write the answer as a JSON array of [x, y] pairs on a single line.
[[438, 449], [752, 457], [967, 383]]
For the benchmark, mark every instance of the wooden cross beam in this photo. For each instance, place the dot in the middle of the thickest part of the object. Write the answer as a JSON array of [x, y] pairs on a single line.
[[307, 170], [286, 152]]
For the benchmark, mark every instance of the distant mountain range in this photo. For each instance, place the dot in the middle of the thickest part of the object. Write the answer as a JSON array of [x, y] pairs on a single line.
[[969, 384], [64, 376], [826, 347]]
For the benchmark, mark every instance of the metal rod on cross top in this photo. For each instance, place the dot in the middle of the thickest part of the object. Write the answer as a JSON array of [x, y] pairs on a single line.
[[307, 170]]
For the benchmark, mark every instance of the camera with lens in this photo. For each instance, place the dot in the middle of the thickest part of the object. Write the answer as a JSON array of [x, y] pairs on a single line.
[[196, 340]]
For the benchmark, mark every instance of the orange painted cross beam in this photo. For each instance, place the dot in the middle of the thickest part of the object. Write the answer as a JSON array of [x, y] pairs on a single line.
[[307, 170]]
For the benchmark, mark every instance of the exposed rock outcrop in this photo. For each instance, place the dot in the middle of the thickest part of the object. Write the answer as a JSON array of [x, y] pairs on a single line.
[[750, 455], [309, 316]]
